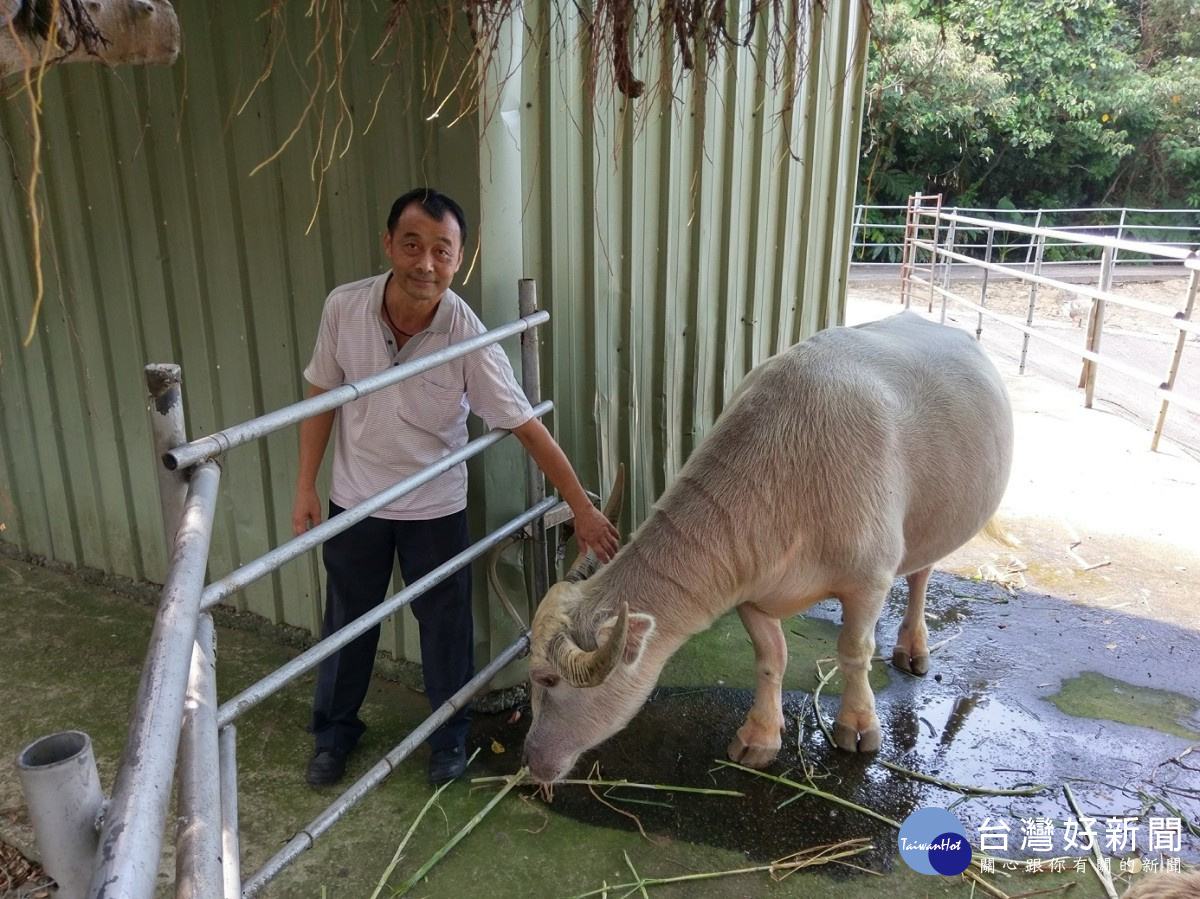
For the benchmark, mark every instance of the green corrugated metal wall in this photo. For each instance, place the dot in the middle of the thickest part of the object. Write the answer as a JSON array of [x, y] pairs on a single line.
[[675, 245], [685, 240]]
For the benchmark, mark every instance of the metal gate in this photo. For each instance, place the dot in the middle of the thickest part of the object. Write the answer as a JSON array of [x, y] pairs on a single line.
[[110, 849]]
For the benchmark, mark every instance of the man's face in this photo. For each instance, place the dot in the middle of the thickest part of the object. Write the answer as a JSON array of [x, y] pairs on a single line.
[[425, 253]]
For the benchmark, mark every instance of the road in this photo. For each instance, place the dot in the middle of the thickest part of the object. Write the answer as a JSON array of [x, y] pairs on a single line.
[[1115, 391]]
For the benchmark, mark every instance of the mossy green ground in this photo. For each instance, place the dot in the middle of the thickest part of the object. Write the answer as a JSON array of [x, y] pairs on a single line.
[[1093, 695], [71, 656]]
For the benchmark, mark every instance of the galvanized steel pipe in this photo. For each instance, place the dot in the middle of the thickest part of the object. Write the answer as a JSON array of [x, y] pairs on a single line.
[[231, 849], [298, 546], [311, 657], [213, 445], [531, 381], [131, 836], [304, 840], [198, 873], [1189, 307], [62, 794], [167, 430]]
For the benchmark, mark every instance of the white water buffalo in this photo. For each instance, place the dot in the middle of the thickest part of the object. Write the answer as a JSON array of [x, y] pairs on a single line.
[[856, 456]]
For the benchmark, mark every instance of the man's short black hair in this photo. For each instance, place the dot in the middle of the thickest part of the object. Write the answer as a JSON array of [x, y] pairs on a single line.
[[435, 203]]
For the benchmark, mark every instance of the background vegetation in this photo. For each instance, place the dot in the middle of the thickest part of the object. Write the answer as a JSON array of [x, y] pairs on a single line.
[[1045, 104]]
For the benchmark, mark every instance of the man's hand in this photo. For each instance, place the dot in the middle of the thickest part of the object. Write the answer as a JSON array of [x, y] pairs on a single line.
[[595, 532], [592, 530], [306, 510], [314, 437]]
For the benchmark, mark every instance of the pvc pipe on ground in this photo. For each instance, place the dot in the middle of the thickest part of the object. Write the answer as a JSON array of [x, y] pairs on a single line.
[[62, 792]]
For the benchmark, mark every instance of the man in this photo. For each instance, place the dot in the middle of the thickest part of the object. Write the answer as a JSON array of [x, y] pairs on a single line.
[[405, 314]]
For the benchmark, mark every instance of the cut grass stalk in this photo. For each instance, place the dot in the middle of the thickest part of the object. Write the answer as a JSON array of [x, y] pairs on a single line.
[[985, 886], [817, 855], [466, 829], [1153, 800], [631, 801], [816, 701], [813, 791], [429, 803], [586, 782], [977, 855], [1099, 863], [1031, 790]]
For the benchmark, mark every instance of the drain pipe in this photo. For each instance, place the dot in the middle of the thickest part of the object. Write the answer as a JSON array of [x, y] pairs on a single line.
[[62, 791]]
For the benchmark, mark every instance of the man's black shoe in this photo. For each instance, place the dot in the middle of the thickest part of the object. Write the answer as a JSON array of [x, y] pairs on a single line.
[[447, 764], [325, 767]]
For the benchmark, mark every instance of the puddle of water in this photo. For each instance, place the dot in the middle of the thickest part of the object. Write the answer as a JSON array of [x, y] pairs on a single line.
[[678, 739], [1092, 695]]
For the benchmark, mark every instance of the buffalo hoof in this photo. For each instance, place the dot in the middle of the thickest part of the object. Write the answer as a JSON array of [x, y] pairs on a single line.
[[849, 739], [752, 755], [918, 664]]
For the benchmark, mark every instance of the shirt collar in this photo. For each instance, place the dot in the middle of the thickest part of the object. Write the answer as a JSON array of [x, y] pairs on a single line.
[[443, 316]]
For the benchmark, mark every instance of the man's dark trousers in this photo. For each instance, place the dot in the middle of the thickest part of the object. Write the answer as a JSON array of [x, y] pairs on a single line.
[[358, 566]]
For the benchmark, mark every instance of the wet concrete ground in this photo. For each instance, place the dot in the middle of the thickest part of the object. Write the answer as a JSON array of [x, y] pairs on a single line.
[[1028, 689]]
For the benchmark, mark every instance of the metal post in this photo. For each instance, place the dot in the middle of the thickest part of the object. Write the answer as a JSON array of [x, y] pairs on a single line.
[[1096, 328], [167, 430], [231, 850], [1037, 223], [1169, 384], [198, 872], [855, 228], [1039, 255], [1120, 232], [62, 793], [535, 480], [987, 258], [948, 265], [907, 251], [933, 242], [131, 838]]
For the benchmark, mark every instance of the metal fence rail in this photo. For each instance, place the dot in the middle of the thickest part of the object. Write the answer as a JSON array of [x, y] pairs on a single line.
[[937, 250], [878, 232], [177, 717]]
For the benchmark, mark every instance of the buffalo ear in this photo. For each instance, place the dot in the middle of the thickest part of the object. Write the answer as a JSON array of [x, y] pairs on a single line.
[[546, 676], [641, 627]]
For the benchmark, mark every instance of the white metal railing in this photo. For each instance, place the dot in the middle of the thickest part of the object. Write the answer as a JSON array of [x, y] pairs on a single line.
[[935, 249], [104, 849], [877, 232]]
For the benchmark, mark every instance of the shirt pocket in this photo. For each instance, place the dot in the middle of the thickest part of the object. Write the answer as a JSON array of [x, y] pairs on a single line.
[[434, 407]]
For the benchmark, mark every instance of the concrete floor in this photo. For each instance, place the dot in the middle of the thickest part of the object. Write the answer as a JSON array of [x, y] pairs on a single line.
[[1086, 672]]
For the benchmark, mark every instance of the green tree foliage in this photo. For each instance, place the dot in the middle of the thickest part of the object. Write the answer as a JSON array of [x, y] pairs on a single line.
[[1052, 103], [933, 106]]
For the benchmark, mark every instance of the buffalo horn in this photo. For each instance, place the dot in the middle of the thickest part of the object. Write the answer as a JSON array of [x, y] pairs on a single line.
[[581, 668]]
